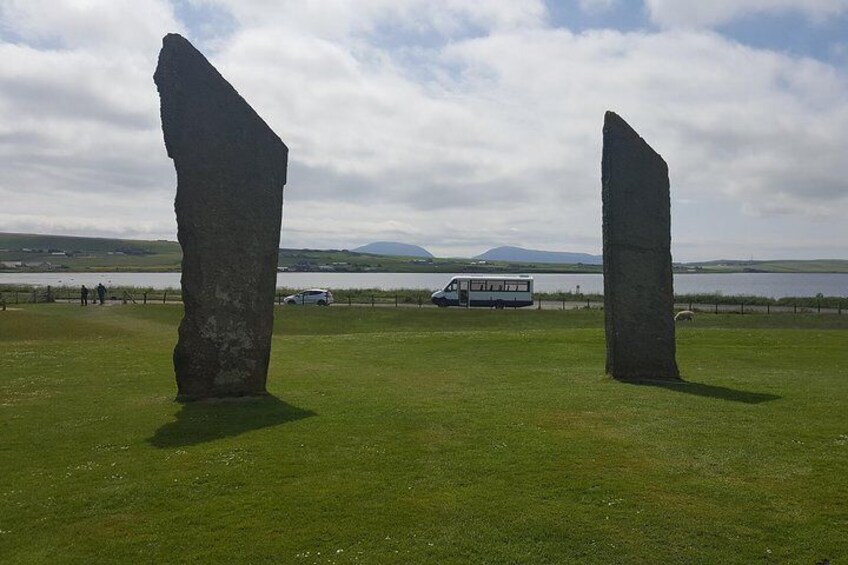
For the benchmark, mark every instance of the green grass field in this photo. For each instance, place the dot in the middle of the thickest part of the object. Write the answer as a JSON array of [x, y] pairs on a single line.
[[423, 436]]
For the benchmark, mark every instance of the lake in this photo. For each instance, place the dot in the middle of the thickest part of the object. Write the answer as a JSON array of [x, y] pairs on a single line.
[[775, 285]]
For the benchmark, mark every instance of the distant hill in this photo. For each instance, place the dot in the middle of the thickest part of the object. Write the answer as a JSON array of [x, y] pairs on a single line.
[[53, 253], [521, 255], [38, 252], [770, 266], [394, 248]]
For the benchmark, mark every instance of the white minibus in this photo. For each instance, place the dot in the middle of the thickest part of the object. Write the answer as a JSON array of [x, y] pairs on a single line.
[[506, 291]]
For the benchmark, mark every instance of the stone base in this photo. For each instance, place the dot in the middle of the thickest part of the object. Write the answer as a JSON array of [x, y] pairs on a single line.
[[185, 398]]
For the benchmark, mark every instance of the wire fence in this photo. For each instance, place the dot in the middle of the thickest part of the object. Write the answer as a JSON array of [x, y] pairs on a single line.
[[414, 298]]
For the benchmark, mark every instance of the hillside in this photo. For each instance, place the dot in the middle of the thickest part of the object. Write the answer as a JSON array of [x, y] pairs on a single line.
[[394, 249], [43, 253], [771, 266], [35, 252], [519, 254]]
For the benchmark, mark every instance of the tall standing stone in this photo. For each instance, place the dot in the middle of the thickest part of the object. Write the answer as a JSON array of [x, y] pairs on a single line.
[[638, 287], [231, 169]]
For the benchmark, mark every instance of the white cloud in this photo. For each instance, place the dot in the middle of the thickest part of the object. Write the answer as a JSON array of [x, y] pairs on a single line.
[[488, 134], [685, 13], [343, 18], [102, 24]]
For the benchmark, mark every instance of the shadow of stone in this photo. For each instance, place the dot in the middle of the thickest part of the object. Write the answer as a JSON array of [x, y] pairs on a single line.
[[711, 391], [202, 421]]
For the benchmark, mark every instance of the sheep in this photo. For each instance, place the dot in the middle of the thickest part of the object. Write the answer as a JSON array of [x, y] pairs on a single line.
[[685, 315]]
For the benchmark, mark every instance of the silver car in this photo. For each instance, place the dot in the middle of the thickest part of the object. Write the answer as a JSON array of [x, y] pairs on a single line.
[[315, 296]]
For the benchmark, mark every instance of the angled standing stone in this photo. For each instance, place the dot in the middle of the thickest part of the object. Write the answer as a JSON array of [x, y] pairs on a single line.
[[638, 291], [231, 169]]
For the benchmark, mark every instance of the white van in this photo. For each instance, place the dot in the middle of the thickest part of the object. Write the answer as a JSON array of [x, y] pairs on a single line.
[[507, 291]]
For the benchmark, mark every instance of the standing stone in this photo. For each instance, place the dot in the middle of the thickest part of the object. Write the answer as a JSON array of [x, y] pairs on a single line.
[[231, 169], [638, 287]]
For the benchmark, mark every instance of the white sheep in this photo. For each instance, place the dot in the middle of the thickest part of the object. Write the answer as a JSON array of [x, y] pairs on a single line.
[[685, 315]]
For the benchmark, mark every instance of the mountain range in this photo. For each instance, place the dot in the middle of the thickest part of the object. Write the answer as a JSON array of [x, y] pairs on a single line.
[[504, 253], [394, 248], [521, 255], [42, 253]]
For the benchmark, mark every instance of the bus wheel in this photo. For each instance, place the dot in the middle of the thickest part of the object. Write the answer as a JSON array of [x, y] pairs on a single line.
[[442, 303], [499, 305]]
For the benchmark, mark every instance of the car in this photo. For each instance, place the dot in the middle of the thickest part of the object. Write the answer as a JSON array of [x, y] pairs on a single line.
[[316, 296]]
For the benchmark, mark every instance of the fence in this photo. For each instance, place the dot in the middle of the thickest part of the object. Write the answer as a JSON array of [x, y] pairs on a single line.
[[35, 295], [412, 298]]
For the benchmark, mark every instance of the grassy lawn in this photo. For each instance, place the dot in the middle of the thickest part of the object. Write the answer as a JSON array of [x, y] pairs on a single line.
[[423, 436]]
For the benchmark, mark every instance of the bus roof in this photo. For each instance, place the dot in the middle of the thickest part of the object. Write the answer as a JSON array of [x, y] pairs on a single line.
[[494, 277]]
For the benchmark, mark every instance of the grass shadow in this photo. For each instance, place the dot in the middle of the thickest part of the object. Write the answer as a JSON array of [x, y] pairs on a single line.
[[199, 422], [712, 391]]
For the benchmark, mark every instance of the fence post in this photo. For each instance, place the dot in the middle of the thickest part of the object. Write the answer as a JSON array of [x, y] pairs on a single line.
[[372, 301], [563, 301], [34, 297], [16, 297], [818, 305], [396, 302], [348, 300], [742, 308], [716, 307], [768, 308], [49, 294], [690, 306], [588, 306], [540, 304], [419, 301], [164, 296]]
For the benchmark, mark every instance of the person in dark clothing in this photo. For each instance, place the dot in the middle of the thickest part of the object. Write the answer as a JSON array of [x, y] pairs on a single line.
[[101, 292], [83, 296]]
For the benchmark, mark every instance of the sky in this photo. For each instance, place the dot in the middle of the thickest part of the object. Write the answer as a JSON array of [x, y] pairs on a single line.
[[458, 125]]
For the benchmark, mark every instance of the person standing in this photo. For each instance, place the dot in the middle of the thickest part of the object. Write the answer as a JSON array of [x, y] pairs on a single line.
[[101, 292], [83, 296]]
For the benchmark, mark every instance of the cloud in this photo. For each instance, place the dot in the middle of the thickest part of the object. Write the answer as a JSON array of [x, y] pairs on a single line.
[[343, 18], [684, 13], [64, 24], [453, 124]]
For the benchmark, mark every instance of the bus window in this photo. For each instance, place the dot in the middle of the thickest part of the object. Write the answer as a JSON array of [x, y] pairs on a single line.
[[451, 287], [478, 285]]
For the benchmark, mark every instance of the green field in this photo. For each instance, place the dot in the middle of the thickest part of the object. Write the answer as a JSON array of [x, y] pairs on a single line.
[[42, 253], [423, 436]]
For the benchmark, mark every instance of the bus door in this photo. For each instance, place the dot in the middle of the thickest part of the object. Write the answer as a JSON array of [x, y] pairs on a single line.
[[464, 287]]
